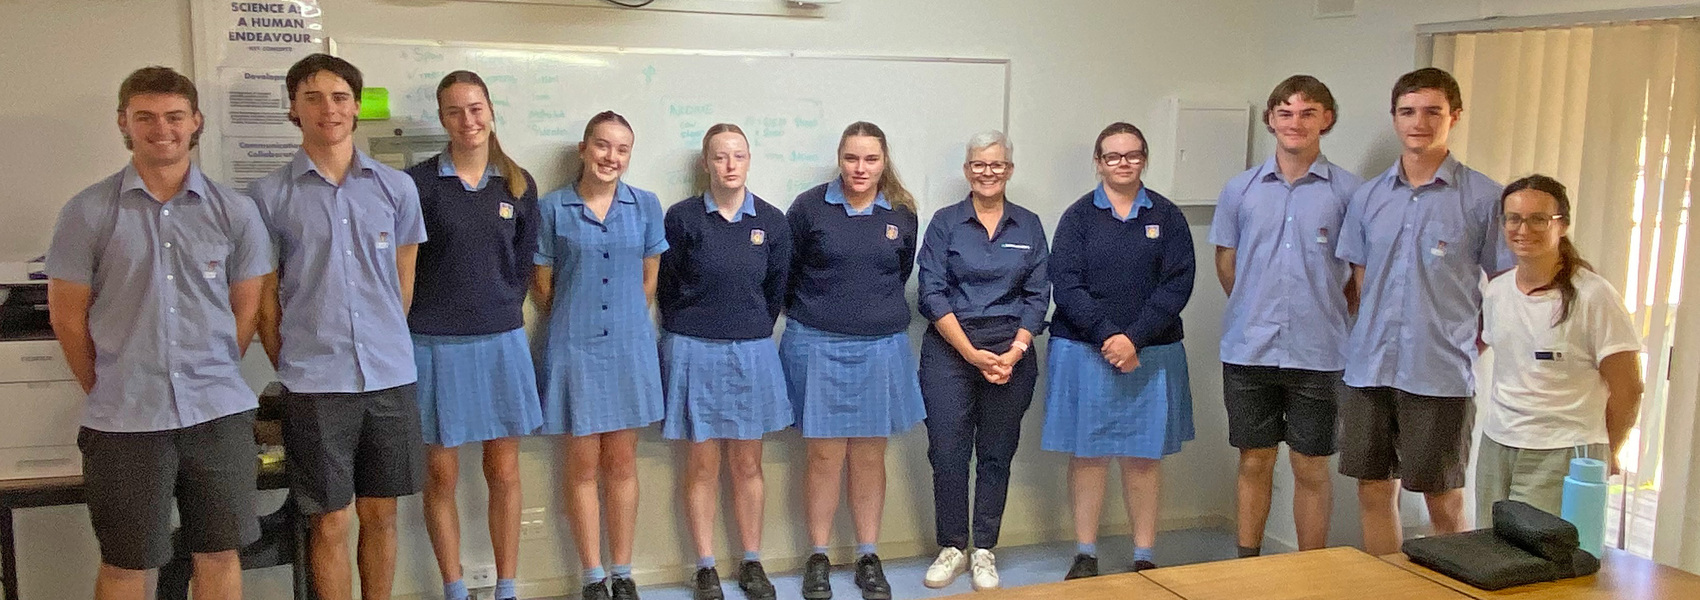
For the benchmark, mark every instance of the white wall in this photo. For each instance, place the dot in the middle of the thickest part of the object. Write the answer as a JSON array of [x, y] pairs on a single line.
[[1076, 67]]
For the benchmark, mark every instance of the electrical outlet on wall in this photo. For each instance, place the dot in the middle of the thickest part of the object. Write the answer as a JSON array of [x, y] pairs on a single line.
[[479, 576], [534, 523]]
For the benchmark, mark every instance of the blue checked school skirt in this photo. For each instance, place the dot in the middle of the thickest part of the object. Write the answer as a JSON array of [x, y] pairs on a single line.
[[1093, 410], [850, 385], [474, 388], [722, 389], [600, 384]]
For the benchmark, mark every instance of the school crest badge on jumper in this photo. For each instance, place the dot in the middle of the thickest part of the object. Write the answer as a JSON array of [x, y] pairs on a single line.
[[505, 210], [1153, 231], [383, 240], [890, 232], [211, 272], [757, 236]]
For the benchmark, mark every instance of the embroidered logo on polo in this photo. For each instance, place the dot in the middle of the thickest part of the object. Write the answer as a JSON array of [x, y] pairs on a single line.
[[211, 272], [505, 210], [890, 232], [1322, 235], [383, 240], [757, 236], [1153, 231], [1439, 248]]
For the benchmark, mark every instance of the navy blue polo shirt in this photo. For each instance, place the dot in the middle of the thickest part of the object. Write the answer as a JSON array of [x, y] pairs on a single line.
[[723, 279], [1111, 275], [972, 273], [848, 268], [475, 267]]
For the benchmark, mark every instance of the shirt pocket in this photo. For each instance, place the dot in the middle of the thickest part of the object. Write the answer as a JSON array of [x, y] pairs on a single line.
[[1443, 243], [209, 264], [375, 225]]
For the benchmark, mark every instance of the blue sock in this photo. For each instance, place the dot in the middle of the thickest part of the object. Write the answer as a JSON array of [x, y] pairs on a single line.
[[594, 574], [1087, 548], [621, 571], [455, 590], [866, 549], [752, 556], [505, 590], [705, 562], [820, 549], [1142, 554]]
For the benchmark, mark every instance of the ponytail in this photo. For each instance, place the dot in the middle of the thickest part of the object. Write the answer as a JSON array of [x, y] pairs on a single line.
[[510, 170]]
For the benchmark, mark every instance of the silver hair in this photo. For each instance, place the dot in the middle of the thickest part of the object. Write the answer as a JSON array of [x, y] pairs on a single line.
[[987, 139]]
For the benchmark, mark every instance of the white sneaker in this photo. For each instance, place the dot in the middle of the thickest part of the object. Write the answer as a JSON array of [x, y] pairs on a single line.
[[985, 569], [950, 563]]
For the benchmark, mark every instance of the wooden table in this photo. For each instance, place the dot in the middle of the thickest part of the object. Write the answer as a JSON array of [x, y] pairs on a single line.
[[1342, 573], [1622, 576], [1108, 587]]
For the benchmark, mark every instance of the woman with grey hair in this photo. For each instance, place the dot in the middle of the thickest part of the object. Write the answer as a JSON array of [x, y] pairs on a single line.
[[983, 287]]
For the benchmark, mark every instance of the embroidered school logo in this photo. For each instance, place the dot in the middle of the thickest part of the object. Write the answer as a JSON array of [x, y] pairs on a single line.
[[890, 232], [383, 240], [757, 236], [211, 271], [1152, 231], [1322, 235], [505, 210], [1439, 248]]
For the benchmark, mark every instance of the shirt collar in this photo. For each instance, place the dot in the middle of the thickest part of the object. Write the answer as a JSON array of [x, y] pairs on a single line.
[[969, 214], [835, 195], [747, 210], [1447, 175], [1272, 170], [302, 165], [622, 193], [446, 168], [1101, 199], [193, 182]]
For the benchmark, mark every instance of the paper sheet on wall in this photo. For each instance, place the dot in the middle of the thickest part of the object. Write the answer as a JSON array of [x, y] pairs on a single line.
[[259, 40]]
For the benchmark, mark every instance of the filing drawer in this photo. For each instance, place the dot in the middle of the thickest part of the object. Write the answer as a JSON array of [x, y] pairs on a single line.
[[45, 461], [38, 433], [33, 360]]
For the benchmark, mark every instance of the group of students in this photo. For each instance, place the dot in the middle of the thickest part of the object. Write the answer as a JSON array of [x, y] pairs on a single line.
[[393, 311]]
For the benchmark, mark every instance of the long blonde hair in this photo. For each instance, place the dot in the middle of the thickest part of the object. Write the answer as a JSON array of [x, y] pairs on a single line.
[[509, 169], [889, 184]]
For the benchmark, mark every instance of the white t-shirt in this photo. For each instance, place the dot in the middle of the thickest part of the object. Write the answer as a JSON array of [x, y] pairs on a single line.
[[1547, 390]]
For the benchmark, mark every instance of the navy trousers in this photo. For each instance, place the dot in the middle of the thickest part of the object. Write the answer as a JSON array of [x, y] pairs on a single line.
[[967, 415]]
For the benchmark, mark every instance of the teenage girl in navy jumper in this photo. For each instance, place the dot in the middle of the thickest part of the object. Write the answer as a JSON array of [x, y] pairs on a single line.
[[476, 381], [599, 251], [848, 364], [1121, 270], [722, 286]]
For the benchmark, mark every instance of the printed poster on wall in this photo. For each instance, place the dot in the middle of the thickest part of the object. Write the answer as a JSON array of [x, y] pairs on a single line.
[[257, 42]]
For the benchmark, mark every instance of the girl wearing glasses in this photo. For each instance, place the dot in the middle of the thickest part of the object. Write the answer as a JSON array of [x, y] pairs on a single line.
[[1122, 269], [848, 363], [1566, 363], [983, 287]]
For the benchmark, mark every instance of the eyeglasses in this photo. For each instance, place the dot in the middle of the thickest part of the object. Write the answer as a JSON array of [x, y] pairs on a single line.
[[1536, 222], [1137, 157], [995, 167]]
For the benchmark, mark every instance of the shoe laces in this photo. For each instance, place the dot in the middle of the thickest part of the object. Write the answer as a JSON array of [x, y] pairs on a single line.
[[947, 557], [984, 563]]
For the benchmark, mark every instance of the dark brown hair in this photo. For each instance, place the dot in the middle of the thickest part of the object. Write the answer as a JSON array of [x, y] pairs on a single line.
[[1428, 78], [606, 116], [889, 184], [1118, 128], [1568, 259], [159, 80], [1310, 87], [306, 68], [509, 169]]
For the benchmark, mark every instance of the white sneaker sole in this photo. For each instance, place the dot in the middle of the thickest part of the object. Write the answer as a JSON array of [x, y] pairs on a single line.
[[936, 583], [978, 588]]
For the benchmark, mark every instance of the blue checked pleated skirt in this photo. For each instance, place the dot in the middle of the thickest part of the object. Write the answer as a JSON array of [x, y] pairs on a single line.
[[722, 389], [600, 384], [1093, 410], [474, 388], [850, 385]]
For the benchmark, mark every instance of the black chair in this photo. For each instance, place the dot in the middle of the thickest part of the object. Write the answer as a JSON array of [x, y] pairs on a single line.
[[283, 541]]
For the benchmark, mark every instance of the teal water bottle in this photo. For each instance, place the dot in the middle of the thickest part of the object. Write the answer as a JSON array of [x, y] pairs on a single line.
[[1584, 502]]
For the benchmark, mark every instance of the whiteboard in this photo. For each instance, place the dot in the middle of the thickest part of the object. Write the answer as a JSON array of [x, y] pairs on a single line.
[[791, 106]]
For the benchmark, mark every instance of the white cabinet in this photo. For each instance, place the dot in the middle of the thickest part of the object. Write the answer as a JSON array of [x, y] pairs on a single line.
[[41, 405]]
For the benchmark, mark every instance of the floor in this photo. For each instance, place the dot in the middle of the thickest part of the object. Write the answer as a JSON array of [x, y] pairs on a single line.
[[1021, 565]]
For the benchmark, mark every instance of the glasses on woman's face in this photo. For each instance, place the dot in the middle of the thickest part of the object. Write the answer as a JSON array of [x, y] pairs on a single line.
[[996, 167], [1136, 157], [1536, 222]]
